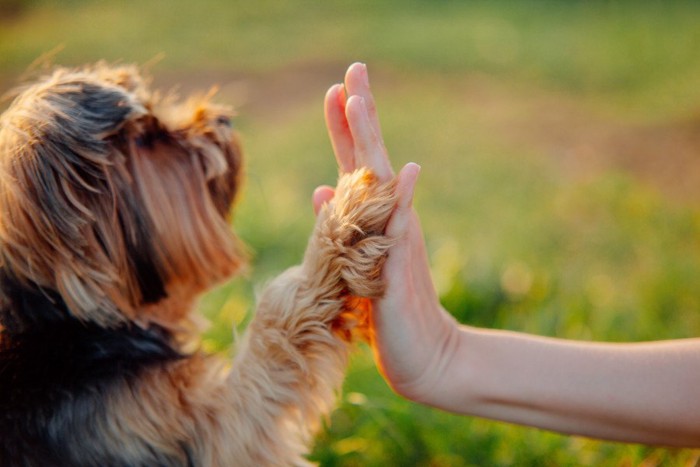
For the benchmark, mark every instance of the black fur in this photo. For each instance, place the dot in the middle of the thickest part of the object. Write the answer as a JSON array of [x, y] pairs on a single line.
[[55, 369], [141, 252]]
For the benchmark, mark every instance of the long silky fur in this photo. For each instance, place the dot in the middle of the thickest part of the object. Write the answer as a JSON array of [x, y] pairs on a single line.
[[114, 219]]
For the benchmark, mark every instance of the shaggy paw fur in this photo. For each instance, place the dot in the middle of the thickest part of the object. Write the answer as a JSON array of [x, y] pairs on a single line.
[[350, 234]]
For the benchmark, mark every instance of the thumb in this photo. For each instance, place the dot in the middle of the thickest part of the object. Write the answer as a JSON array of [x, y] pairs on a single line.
[[322, 195], [405, 187]]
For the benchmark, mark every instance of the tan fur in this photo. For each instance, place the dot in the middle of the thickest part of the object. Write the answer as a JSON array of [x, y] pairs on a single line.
[[77, 196]]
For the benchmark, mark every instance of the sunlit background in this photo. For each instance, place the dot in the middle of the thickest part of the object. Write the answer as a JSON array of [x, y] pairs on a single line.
[[560, 147]]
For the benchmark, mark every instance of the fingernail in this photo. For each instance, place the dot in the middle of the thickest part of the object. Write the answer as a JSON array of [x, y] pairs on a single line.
[[365, 74], [416, 168], [359, 105]]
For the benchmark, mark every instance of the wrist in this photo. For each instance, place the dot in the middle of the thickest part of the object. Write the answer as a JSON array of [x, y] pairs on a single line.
[[450, 372], [456, 384]]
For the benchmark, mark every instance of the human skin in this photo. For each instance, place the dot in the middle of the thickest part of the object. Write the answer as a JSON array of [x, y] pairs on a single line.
[[634, 392]]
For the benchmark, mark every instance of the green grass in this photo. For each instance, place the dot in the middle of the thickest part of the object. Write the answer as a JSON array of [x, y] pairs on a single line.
[[516, 242]]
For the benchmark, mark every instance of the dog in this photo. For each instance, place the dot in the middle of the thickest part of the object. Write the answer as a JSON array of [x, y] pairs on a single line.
[[114, 218]]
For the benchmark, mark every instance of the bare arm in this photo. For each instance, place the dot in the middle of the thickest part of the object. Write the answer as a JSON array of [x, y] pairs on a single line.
[[644, 393]]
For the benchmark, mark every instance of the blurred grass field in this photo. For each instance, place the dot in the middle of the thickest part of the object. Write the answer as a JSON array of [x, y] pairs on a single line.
[[560, 147]]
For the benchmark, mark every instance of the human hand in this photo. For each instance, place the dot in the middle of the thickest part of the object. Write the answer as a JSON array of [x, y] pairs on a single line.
[[412, 336]]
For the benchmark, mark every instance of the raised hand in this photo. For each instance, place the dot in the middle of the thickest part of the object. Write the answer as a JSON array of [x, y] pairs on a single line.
[[412, 336]]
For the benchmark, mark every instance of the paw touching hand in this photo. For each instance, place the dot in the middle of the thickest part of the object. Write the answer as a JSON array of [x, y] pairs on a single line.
[[352, 227], [349, 247]]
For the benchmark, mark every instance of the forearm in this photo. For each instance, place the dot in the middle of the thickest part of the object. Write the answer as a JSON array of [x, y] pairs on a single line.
[[647, 392]]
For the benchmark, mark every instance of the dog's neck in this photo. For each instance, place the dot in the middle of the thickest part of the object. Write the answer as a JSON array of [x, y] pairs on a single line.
[[23, 307], [27, 306], [47, 353]]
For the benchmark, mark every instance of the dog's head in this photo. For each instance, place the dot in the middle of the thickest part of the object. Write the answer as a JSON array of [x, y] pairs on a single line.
[[113, 202]]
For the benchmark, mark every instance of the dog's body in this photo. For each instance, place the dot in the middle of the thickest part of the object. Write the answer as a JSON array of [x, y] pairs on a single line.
[[113, 220]]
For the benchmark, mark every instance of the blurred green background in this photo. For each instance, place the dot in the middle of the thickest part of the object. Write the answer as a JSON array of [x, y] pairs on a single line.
[[561, 170]]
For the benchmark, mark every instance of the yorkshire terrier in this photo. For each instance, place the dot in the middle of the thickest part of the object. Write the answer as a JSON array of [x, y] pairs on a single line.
[[114, 219]]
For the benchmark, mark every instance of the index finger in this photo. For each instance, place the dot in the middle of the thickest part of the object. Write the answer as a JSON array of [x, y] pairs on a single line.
[[357, 84]]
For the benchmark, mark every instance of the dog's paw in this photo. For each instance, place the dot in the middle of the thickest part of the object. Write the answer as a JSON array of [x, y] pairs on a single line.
[[353, 228]]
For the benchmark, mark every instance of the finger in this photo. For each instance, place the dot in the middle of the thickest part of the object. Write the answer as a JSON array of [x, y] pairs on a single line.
[[398, 269], [357, 84], [322, 195], [338, 129], [405, 188], [369, 151], [404, 226]]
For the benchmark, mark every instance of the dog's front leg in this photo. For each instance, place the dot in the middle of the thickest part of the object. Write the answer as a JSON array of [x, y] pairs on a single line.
[[293, 358]]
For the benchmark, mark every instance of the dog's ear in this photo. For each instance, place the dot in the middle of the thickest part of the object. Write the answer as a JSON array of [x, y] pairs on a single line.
[[207, 129], [185, 175], [60, 181]]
